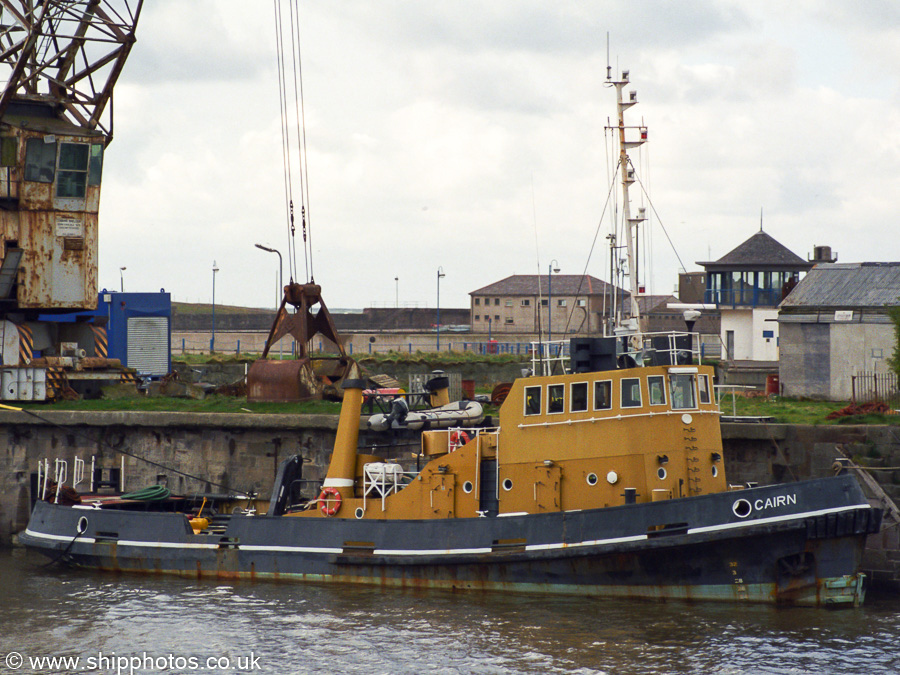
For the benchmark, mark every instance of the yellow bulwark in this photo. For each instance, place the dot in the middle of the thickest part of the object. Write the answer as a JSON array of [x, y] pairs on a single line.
[[565, 442]]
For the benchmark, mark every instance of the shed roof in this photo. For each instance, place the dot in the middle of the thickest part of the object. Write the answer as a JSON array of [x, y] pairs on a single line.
[[563, 284], [870, 285], [760, 251]]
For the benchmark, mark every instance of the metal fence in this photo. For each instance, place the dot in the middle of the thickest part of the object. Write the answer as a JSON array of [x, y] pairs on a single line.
[[867, 386]]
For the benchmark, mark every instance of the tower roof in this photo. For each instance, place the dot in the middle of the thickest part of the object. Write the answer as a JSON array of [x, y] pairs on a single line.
[[760, 252]]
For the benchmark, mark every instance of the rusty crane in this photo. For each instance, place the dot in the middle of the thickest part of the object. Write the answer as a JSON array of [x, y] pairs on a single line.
[[60, 60]]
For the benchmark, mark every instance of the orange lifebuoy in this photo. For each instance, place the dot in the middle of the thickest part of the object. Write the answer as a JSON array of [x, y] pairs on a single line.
[[335, 500], [458, 438]]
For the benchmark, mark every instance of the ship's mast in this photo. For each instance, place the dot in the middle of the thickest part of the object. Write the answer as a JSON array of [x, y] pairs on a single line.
[[627, 172]]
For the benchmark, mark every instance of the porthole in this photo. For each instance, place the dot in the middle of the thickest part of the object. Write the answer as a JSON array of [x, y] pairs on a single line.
[[661, 473], [468, 487], [592, 479], [507, 484], [741, 508], [82, 525], [715, 471], [360, 512], [612, 478]]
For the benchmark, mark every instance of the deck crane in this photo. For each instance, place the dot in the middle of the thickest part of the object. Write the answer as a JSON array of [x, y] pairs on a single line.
[[60, 60]]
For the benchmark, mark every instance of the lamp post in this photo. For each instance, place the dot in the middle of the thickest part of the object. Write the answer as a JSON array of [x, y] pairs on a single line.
[[212, 342], [550, 269], [440, 274], [397, 292], [121, 280], [280, 278]]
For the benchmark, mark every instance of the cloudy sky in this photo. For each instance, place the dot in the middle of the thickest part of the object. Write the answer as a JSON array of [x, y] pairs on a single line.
[[470, 136]]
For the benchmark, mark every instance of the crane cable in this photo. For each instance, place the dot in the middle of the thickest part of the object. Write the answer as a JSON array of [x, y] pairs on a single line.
[[286, 132], [285, 154], [301, 136]]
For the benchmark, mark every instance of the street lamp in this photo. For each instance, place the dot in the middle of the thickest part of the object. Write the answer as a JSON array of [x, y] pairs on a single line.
[[212, 342], [121, 280], [397, 291], [280, 278], [440, 274], [550, 268]]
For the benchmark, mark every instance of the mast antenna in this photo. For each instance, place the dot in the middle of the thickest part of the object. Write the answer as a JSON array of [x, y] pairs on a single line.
[[608, 66]]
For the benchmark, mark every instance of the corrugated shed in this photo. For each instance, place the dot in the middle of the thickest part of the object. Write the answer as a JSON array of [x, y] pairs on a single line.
[[847, 286], [563, 284], [760, 251]]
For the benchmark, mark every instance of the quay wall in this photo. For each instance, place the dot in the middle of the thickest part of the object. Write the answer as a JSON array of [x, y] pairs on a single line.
[[243, 451]]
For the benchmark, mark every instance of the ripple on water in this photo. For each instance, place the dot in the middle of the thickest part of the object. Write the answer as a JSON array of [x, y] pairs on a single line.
[[303, 628]]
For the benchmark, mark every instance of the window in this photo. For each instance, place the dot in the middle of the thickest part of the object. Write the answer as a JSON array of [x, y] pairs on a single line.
[[40, 160], [631, 392], [703, 383], [477, 301], [73, 170], [578, 401], [560, 303], [555, 398], [496, 301], [682, 391], [96, 165], [509, 320], [496, 317], [526, 302], [532, 400], [544, 302], [508, 303], [603, 395], [657, 386], [581, 302], [478, 317]]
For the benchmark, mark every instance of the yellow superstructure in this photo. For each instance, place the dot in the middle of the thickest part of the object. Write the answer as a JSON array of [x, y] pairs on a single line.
[[564, 443]]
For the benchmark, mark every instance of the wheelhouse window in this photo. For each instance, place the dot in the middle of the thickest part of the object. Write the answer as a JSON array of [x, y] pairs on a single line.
[[657, 386], [682, 386], [73, 170], [703, 385], [532, 400], [40, 160], [603, 395], [578, 398], [631, 392], [556, 398]]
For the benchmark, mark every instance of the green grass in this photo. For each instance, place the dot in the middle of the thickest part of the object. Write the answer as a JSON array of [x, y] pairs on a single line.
[[798, 411]]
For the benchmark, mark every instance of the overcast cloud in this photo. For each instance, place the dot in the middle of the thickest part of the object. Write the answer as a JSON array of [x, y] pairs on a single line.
[[470, 135]]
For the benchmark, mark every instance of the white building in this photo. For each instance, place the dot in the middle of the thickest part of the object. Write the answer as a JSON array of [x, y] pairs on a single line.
[[747, 284]]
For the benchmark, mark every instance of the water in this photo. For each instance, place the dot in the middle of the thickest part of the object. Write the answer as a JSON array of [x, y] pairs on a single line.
[[154, 625]]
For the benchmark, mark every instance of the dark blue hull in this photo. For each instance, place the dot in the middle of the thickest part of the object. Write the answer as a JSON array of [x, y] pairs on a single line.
[[799, 543]]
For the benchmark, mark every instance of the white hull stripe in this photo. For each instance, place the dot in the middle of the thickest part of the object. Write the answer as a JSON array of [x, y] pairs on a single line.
[[121, 542], [452, 551]]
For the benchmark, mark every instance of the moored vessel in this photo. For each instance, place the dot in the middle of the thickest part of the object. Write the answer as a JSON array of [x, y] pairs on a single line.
[[607, 479]]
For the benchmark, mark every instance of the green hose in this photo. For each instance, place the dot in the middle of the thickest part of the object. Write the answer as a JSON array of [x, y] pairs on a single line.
[[149, 494]]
